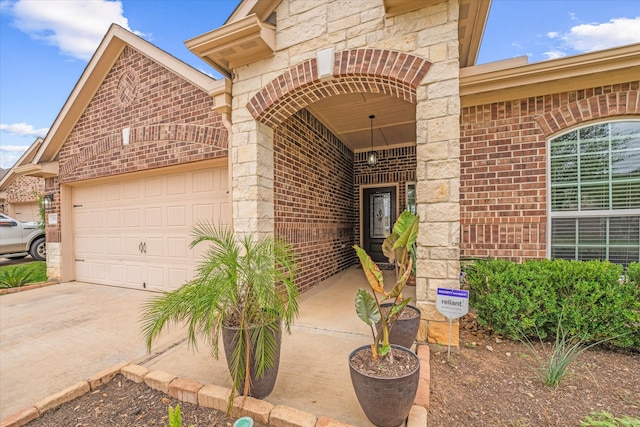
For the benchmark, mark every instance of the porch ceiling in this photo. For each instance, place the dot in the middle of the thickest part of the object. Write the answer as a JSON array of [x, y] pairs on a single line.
[[347, 116]]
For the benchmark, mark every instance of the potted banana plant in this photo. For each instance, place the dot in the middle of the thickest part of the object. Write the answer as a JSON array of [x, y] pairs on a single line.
[[244, 291], [384, 375]]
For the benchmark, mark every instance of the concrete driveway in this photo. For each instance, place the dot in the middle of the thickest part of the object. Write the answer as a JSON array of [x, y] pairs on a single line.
[[53, 337]]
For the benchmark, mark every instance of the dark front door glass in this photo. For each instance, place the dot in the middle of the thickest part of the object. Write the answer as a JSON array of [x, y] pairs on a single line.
[[379, 215]]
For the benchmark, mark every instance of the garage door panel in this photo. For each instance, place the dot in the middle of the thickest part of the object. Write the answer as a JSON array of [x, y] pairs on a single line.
[[83, 246], [133, 246], [177, 216], [178, 277], [153, 246], [153, 217], [113, 192], [156, 278], [116, 273], [116, 222], [178, 247], [131, 217], [113, 219], [131, 190], [98, 270], [153, 187], [176, 184], [133, 274], [114, 245]]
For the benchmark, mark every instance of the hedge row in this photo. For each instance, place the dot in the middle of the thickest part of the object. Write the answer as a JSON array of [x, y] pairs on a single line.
[[593, 299]]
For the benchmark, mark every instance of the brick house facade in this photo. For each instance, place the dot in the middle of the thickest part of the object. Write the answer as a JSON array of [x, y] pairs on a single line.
[[474, 144], [18, 193], [504, 180]]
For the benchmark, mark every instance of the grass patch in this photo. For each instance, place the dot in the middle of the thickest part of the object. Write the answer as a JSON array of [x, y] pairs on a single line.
[[13, 276]]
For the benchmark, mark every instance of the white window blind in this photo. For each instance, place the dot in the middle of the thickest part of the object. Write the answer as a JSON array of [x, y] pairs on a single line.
[[595, 193]]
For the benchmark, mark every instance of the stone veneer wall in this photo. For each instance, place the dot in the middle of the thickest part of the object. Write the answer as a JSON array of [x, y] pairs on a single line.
[[171, 123], [503, 183], [314, 208], [304, 28]]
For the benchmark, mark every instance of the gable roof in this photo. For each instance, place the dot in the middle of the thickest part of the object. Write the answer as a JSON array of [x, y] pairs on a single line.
[[9, 175], [109, 50]]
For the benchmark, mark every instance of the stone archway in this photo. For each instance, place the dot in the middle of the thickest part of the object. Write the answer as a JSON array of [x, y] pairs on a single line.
[[312, 185]]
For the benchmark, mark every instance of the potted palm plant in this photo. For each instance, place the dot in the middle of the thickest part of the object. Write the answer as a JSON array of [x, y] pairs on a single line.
[[244, 291], [385, 376]]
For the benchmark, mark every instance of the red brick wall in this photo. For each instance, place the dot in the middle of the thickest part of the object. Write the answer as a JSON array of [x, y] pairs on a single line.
[[171, 123], [313, 188], [503, 184]]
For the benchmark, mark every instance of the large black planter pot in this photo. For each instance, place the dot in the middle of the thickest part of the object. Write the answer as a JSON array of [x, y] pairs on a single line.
[[385, 401], [263, 386], [404, 331]]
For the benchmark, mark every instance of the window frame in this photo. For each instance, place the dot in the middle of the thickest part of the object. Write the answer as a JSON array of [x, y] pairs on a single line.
[[601, 213]]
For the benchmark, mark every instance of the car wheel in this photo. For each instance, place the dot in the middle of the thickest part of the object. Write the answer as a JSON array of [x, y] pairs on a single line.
[[38, 249], [14, 256]]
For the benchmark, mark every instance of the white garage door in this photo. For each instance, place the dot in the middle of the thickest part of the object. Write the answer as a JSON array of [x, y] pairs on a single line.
[[137, 233]]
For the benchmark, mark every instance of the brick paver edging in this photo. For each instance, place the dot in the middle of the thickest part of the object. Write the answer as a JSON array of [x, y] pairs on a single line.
[[27, 287], [216, 397]]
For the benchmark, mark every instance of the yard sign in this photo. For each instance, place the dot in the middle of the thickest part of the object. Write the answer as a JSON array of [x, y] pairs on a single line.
[[452, 303]]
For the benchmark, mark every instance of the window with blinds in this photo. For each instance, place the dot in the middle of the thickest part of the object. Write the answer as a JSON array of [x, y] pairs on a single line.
[[595, 193]]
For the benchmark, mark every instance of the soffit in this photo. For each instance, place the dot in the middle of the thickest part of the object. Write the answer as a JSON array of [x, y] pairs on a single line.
[[235, 44], [112, 45], [489, 83], [471, 24]]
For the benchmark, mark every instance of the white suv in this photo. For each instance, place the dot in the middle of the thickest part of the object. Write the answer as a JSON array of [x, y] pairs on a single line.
[[19, 239]]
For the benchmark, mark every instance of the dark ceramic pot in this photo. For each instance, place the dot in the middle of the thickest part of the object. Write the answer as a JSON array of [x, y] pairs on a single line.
[[385, 401], [263, 386], [404, 331]]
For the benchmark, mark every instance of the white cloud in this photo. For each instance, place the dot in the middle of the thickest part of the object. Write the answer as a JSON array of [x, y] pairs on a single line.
[[10, 154], [554, 54], [23, 129], [75, 27], [597, 36]]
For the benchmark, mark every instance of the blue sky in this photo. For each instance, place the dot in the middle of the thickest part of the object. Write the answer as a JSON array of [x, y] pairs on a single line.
[[46, 44]]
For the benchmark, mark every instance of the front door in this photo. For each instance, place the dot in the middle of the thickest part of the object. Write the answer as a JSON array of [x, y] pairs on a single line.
[[379, 214]]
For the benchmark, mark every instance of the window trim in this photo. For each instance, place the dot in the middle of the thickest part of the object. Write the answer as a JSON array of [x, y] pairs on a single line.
[[579, 214]]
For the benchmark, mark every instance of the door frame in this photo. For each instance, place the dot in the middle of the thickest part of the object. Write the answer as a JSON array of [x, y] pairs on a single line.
[[361, 204]]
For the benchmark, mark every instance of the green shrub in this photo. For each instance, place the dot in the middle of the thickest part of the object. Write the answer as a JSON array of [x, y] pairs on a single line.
[[633, 273], [529, 298]]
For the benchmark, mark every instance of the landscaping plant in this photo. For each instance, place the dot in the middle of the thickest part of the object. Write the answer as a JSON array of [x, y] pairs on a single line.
[[14, 277], [368, 304], [554, 362], [175, 417], [242, 283], [605, 419], [530, 298]]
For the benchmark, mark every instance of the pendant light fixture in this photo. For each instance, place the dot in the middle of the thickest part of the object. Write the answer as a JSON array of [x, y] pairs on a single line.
[[372, 156]]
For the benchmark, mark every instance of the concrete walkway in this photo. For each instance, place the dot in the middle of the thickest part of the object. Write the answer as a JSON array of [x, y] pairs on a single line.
[[56, 336]]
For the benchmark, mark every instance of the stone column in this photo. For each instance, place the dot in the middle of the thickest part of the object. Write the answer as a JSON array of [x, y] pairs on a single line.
[[438, 175], [251, 150]]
